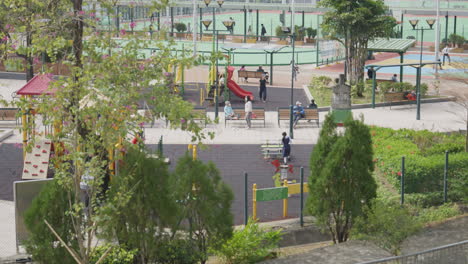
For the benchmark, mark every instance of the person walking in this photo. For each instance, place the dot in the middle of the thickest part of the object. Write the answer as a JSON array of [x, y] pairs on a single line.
[[263, 33], [286, 147], [446, 54], [248, 111], [263, 89]]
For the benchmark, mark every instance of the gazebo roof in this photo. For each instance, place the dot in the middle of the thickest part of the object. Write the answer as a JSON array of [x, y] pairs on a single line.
[[390, 45], [38, 85]]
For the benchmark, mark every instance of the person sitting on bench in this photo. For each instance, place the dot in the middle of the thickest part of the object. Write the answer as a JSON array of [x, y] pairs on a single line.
[[298, 113], [228, 112]]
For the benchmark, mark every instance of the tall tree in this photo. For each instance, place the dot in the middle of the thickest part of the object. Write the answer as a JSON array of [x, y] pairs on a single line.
[[354, 23], [344, 184]]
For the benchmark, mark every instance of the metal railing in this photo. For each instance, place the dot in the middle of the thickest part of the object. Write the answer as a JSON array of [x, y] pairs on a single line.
[[456, 253]]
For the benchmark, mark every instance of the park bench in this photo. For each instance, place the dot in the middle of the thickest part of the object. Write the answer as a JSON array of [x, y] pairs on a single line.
[[394, 97], [310, 114], [9, 114], [257, 114], [249, 74]]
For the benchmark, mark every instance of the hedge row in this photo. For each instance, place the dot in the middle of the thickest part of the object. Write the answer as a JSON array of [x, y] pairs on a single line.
[[424, 161]]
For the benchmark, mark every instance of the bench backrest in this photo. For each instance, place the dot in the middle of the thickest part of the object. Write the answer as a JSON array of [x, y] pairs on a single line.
[[8, 114], [311, 113], [257, 113], [391, 97], [249, 74], [283, 113]]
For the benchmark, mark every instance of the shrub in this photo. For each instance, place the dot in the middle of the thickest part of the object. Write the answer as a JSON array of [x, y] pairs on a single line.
[[311, 33], [180, 27], [386, 224], [249, 245], [280, 34], [434, 214], [51, 204], [456, 40], [117, 255], [178, 251], [424, 88]]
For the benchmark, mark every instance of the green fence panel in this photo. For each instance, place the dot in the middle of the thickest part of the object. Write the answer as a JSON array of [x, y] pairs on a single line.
[[271, 194]]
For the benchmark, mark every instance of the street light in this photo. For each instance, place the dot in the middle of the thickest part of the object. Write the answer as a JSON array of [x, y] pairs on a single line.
[[207, 24], [414, 23], [287, 30]]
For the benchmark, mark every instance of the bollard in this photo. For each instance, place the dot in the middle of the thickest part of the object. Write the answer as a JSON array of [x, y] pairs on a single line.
[[194, 152], [301, 216]]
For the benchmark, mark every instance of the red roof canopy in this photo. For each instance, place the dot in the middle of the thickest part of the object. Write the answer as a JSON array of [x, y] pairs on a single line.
[[38, 85]]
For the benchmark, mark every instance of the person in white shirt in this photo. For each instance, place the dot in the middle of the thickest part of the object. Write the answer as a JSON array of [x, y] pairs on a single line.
[[446, 54], [248, 111]]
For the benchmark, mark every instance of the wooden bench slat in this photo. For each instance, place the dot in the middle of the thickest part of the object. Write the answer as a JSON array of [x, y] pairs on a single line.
[[257, 114]]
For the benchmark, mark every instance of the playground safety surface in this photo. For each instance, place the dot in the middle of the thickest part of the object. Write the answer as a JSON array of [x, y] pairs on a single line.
[[231, 160]]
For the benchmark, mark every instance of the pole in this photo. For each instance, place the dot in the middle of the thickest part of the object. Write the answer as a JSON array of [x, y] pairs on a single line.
[[159, 21], [446, 29], [117, 19], [455, 25], [217, 79], [402, 200], [254, 202], [246, 200], [446, 175], [182, 85], [418, 81], [301, 216], [172, 20], [317, 43], [303, 19], [194, 25], [437, 39], [271, 68], [291, 128], [245, 24], [285, 201], [402, 17], [201, 24], [257, 26], [401, 67], [374, 84]]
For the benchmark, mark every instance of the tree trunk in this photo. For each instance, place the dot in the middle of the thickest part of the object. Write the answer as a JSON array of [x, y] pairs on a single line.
[[29, 56]]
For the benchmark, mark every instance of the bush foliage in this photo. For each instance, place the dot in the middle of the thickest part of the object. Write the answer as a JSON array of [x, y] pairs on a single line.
[[249, 245], [424, 164]]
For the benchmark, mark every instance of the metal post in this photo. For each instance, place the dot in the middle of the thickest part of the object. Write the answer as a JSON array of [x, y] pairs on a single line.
[[303, 19], [201, 24], [182, 85], [257, 25], [172, 21], [301, 216], [159, 21], [455, 25], [418, 93], [446, 30], [446, 175], [246, 199], [402, 16], [217, 78], [117, 19], [271, 68], [317, 42], [291, 133], [401, 67], [402, 201], [245, 24], [374, 84]]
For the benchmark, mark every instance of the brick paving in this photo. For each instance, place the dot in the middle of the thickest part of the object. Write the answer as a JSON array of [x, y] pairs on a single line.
[[276, 97], [231, 160]]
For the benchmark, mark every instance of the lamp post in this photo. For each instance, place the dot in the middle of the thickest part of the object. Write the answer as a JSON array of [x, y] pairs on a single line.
[[287, 30], [220, 3], [414, 23]]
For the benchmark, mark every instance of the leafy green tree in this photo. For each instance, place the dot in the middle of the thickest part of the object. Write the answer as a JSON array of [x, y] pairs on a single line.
[[96, 107], [341, 181], [205, 202], [354, 23], [148, 205], [49, 205]]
